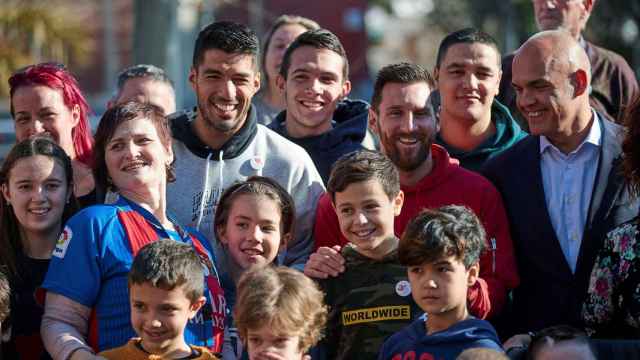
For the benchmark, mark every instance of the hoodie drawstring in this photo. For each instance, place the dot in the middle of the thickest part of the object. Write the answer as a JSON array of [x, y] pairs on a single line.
[[220, 170], [204, 192]]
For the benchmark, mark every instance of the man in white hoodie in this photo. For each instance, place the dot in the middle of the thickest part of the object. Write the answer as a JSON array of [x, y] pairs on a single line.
[[220, 142]]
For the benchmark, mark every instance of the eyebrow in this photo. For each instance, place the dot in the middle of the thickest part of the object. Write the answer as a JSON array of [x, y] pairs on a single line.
[[460, 65]]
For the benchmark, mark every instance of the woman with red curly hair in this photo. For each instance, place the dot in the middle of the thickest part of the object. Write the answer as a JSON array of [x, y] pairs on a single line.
[[46, 99], [612, 306]]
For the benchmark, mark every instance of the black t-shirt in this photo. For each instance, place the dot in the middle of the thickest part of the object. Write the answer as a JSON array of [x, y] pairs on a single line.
[[27, 307]]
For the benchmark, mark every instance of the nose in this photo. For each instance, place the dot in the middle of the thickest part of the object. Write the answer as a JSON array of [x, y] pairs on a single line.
[[431, 284], [255, 234], [38, 194], [361, 218], [131, 149], [315, 86], [155, 323], [470, 81], [524, 98], [229, 90], [36, 127], [408, 124]]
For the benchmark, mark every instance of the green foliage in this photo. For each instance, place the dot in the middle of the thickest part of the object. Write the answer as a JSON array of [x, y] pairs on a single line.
[[33, 31]]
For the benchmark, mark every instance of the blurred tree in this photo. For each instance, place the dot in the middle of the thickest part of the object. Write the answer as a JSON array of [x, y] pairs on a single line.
[[37, 30]]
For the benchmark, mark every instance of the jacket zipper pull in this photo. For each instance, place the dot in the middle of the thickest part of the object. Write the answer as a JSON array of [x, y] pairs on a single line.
[[493, 255]]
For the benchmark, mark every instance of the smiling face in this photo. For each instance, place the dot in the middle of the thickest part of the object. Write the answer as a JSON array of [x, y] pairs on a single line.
[[544, 93], [265, 344], [40, 110], [366, 216], [159, 317], [571, 15], [312, 90], [37, 191], [468, 79], [135, 157], [440, 287], [252, 233], [280, 40], [405, 123], [224, 84]]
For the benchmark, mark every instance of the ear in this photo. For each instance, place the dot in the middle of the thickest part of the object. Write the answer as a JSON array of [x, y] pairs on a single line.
[[472, 274], [169, 154], [284, 240], [373, 121], [397, 203], [256, 80], [221, 233], [281, 82], [579, 82], [346, 88], [75, 115], [498, 81], [196, 305], [436, 74], [5, 193], [193, 75]]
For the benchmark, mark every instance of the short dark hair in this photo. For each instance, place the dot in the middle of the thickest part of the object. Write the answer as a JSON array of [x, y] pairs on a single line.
[[360, 166], [555, 334], [142, 71], [5, 296], [167, 264], [400, 73], [318, 39], [227, 36], [257, 185], [466, 36], [451, 230], [110, 121]]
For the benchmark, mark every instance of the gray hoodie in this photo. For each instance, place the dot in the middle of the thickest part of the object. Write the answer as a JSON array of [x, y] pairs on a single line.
[[253, 150]]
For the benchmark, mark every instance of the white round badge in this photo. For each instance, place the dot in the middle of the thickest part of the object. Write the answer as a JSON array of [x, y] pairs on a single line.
[[257, 163], [403, 288]]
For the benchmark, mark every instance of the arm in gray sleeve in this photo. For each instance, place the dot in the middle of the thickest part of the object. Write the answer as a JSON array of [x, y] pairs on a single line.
[[64, 326]]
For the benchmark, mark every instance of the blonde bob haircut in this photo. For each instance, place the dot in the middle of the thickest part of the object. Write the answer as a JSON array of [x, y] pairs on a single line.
[[282, 299]]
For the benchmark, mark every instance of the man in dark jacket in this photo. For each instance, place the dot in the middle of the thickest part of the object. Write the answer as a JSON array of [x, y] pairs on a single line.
[[561, 186], [315, 79], [613, 83], [474, 127]]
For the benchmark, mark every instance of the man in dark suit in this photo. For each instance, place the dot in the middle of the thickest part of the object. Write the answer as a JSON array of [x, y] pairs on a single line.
[[561, 186], [613, 83]]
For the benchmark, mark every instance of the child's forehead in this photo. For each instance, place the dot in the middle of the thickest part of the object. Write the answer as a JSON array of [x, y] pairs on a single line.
[[149, 289], [362, 190]]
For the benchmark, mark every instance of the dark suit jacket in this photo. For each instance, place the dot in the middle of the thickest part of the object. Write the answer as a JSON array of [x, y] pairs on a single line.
[[549, 293]]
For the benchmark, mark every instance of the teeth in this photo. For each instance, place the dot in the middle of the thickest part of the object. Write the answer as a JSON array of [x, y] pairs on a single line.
[[534, 113], [408, 141], [311, 104], [39, 211], [252, 252], [363, 233], [225, 107], [134, 166]]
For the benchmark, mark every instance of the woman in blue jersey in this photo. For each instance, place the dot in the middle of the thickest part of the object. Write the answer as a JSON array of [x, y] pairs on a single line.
[[87, 304]]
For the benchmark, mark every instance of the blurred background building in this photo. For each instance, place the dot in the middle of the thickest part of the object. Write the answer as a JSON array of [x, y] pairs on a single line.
[[95, 39]]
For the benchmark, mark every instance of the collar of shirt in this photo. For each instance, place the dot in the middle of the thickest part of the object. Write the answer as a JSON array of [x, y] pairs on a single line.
[[594, 137]]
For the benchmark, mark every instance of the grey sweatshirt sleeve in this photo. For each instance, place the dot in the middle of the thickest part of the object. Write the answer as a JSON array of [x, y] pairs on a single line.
[[306, 189]]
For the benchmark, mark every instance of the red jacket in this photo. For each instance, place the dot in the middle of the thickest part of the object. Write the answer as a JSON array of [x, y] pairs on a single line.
[[449, 184]]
